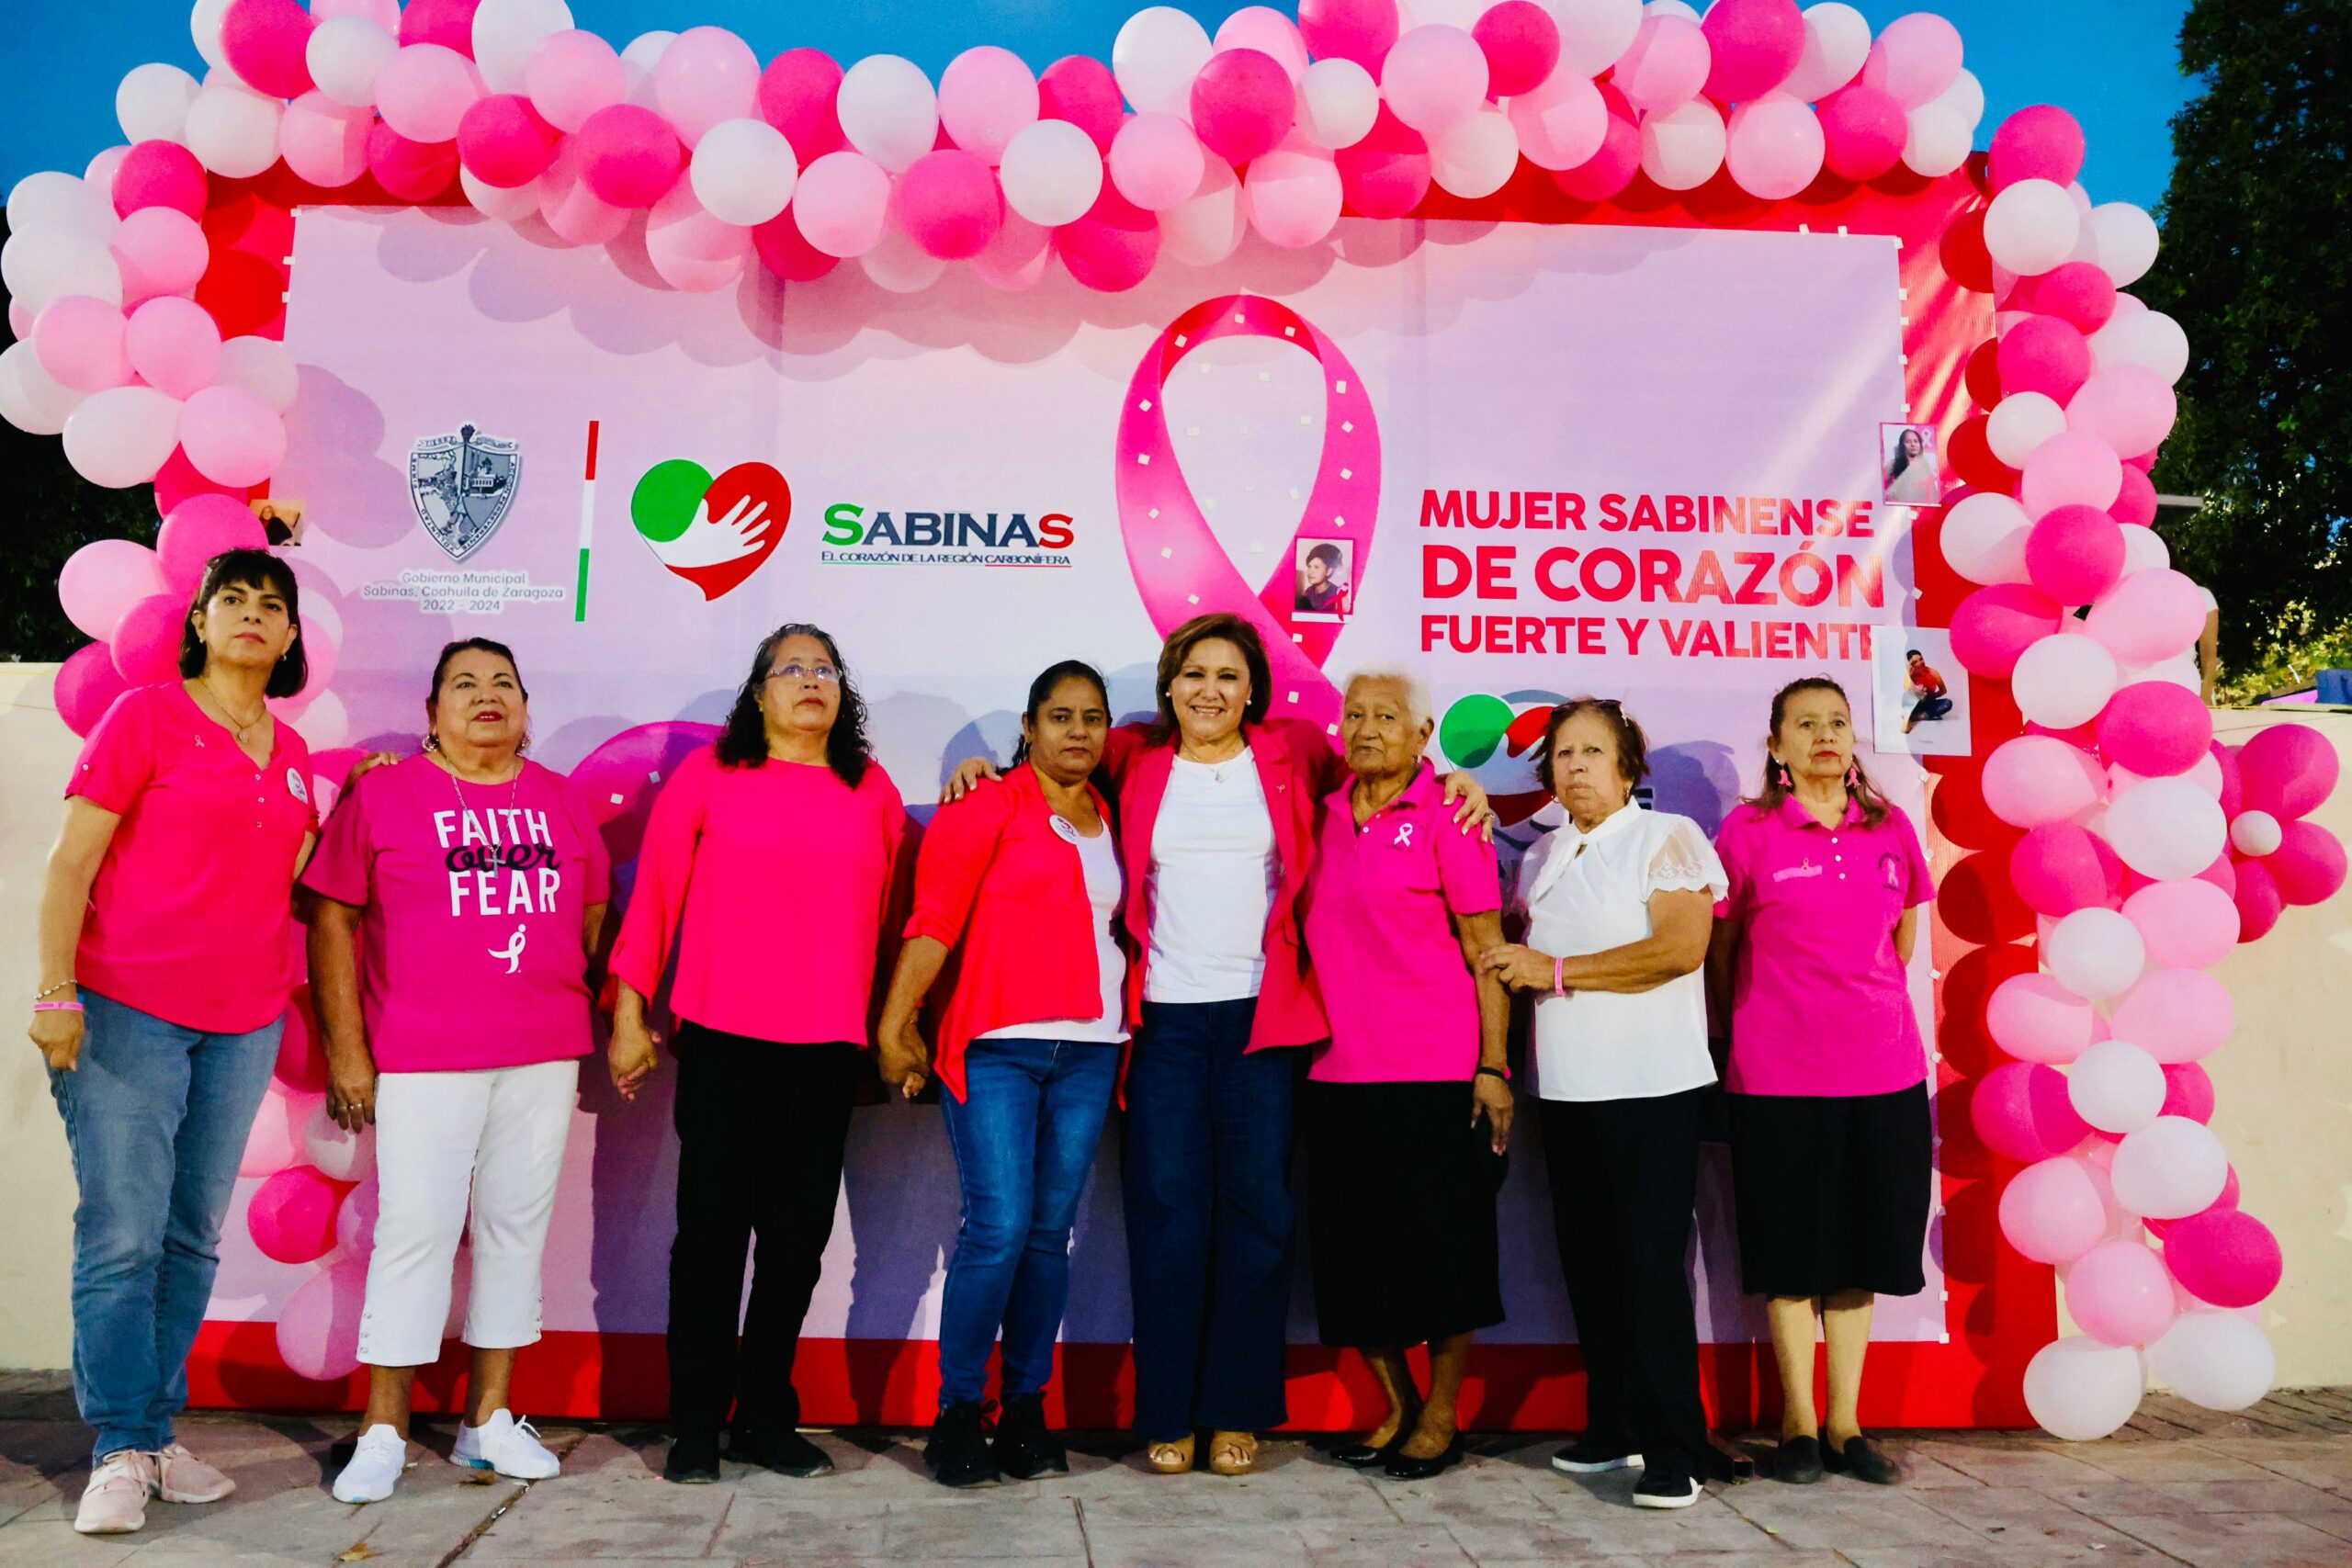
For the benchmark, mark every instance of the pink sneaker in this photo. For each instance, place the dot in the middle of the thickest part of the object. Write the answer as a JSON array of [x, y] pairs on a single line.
[[181, 1477], [115, 1502]]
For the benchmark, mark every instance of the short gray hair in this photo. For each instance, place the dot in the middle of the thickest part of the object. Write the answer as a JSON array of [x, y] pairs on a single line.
[[1419, 706]]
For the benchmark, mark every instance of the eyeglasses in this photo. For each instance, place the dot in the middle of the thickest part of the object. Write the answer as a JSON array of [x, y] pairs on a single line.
[[823, 673]]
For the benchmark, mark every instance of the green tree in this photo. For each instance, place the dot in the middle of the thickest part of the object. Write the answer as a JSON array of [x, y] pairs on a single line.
[[2254, 269]]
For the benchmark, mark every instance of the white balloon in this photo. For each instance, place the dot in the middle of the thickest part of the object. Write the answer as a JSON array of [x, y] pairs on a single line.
[[1411, 14], [2064, 680], [2081, 1390], [1938, 141], [2116, 1086], [233, 131], [2214, 1358], [1206, 227], [2031, 227], [638, 60], [30, 397], [508, 204], [1594, 33], [152, 102], [338, 1154], [900, 265], [2143, 549], [1338, 101], [743, 171], [343, 55], [68, 204], [1682, 148], [1682, 9], [506, 32], [2169, 1169], [1965, 97], [1561, 123], [888, 110], [2167, 829], [263, 366], [2127, 241], [694, 250], [1985, 536], [2256, 833], [2147, 338], [1155, 58], [1052, 172], [204, 26], [1475, 157], [1837, 41], [2095, 952], [119, 437], [46, 265], [2020, 422]]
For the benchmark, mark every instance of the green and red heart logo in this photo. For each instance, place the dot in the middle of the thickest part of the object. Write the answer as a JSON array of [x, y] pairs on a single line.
[[712, 532]]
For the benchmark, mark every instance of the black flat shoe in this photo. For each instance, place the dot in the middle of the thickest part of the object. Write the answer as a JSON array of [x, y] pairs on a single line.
[[1025, 1447], [693, 1461], [786, 1452], [1363, 1456], [1587, 1457], [1862, 1462], [1797, 1461], [1405, 1467]]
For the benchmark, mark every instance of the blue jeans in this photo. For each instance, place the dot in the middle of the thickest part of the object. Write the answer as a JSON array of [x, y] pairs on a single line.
[[156, 1116], [1209, 1220], [1025, 1136]]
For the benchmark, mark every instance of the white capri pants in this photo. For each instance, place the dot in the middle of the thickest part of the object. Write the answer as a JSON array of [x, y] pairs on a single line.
[[496, 1136]]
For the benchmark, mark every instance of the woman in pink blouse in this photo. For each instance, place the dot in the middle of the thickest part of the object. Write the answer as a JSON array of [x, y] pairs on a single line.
[[765, 871], [1827, 1087], [165, 942]]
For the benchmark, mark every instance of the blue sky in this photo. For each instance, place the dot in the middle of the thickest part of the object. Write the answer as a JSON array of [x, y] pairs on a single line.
[[2112, 62]]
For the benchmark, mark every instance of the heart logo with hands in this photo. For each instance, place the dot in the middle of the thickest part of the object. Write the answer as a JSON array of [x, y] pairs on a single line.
[[715, 533]]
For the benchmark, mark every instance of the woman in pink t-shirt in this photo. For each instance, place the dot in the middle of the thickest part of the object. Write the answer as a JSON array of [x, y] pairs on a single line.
[[767, 867], [164, 952], [1828, 1085], [457, 896]]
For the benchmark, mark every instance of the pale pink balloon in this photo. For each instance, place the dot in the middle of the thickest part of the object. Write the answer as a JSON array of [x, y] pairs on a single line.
[[2034, 779], [572, 75], [2052, 1211], [232, 436], [2176, 1015], [1775, 144], [569, 207], [102, 581], [1293, 195], [2119, 1294], [2035, 1018], [842, 203], [2189, 924], [1915, 59], [1435, 77], [1666, 66], [707, 74], [692, 250], [276, 1141], [986, 96], [1269, 32], [1561, 123], [1016, 258], [2149, 616], [323, 142], [161, 250], [2127, 406], [80, 342], [1155, 161], [424, 90], [318, 1328], [201, 527], [2076, 468], [175, 345]]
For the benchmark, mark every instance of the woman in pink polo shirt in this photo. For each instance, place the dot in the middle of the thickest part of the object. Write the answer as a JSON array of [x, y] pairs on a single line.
[[164, 950], [464, 882], [766, 869], [1828, 1096], [1025, 879], [1407, 1107]]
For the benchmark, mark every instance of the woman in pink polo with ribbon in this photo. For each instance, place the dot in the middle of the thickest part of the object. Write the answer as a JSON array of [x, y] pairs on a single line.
[[1830, 1143]]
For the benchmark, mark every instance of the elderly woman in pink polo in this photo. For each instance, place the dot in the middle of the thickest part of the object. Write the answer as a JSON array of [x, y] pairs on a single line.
[[1830, 1144], [1407, 1106]]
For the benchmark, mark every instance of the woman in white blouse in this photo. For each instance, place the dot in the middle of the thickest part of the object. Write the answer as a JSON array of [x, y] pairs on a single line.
[[1619, 905]]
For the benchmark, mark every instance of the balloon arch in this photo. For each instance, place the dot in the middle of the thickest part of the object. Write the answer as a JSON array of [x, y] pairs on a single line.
[[2106, 852]]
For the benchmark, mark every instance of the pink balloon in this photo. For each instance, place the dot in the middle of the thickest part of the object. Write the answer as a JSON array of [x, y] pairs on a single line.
[[1081, 90], [842, 202], [2078, 293], [301, 1060], [1243, 104], [276, 1141], [2035, 1018], [628, 156], [449, 22], [2120, 1295], [572, 75], [2135, 503], [160, 250], [200, 529], [2059, 868], [2289, 769], [1293, 197], [173, 345], [1561, 121], [424, 91], [1112, 247], [231, 436], [291, 1215], [986, 96], [786, 253], [2225, 1256], [87, 685], [2074, 553], [1665, 66], [2309, 864], [2072, 469], [1522, 43], [267, 41], [2156, 729], [2150, 616], [1866, 131], [2258, 899], [354, 1222], [1914, 59], [1386, 173], [1753, 45], [2042, 353], [1156, 161], [796, 96], [1017, 257], [1269, 32], [2175, 1015], [410, 171], [146, 641], [318, 1328], [2033, 779], [1361, 31], [323, 141], [2021, 1112], [177, 481], [2188, 1088], [2040, 142], [2189, 924], [949, 204], [2052, 1211], [706, 75], [1994, 625], [2131, 407], [80, 342], [504, 143], [1435, 76], [1613, 168], [577, 214], [159, 173], [1774, 147]]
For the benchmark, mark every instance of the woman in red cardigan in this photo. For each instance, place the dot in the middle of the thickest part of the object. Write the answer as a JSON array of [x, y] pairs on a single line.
[[1216, 828], [1025, 878]]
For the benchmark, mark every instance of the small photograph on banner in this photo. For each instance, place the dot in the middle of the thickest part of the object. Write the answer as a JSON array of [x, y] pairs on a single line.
[[1920, 694], [1326, 580], [282, 521], [1906, 463]]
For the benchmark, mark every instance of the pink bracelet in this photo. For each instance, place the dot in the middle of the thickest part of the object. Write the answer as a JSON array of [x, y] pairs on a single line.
[[57, 1007], [1557, 990]]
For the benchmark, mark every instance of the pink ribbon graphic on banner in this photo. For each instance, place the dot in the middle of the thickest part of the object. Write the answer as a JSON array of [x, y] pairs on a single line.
[[1179, 568]]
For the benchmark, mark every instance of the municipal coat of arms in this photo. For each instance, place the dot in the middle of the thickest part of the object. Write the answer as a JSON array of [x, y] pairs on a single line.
[[462, 486]]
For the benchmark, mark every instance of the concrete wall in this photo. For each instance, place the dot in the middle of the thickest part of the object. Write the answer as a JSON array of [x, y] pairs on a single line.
[[2284, 1082]]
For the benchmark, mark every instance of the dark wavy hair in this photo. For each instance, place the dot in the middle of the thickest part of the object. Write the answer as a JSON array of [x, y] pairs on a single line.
[[441, 674], [1633, 746], [1041, 691], [256, 569], [1776, 774], [1178, 647], [743, 743], [1903, 452]]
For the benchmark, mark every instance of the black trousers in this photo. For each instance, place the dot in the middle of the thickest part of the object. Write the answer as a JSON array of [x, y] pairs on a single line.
[[760, 1130], [1624, 1175]]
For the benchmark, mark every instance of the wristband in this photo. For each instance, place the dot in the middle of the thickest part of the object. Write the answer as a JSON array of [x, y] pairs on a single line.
[[1558, 988], [1487, 1072], [57, 1007]]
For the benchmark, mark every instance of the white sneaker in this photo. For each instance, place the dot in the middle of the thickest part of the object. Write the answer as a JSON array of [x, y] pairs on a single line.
[[115, 1502], [375, 1468], [510, 1446], [181, 1477]]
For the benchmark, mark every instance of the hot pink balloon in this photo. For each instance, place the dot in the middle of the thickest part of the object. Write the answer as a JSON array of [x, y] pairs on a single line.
[[2035, 1018], [2074, 553], [2189, 924], [1361, 31], [173, 345], [1753, 45], [87, 685], [146, 641], [1081, 90], [1665, 66], [301, 1060], [177, 481], [2189, 1091], [318, 1328], [1112, 247], [1243, 104], [159, 173], [2135, 501], [2176, 1015], [2131, 407], [2072, 469], [949, 203], [986, 95], [2120, 1295], [449, 22], [2052, 1211], [2059, 868], [1522, 43], [797, 93], [2079, 293], [2156, 729], [786, 252], [2040, 142], [200, 529], [1865, 130], [2309, 864], [410, 171], [1385, 173], [628, 156], [1914, 59], [2258, 899], [504, 143], [706, 75], [267, 41], [80, 342], [103, 579], [2289, 769], [291, 1215], [159, 250], [2044, 355], [2225, 1256], [231, 436], [1997, 623], [2021, 1112]]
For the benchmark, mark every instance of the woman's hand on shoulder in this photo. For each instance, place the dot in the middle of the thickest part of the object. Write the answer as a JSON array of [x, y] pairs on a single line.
[[1520, 967], [967, 777], [1469, 798], [368, 765]]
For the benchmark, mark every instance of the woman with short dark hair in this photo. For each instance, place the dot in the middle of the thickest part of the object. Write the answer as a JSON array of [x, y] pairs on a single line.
[[766, 870], [164, 934]]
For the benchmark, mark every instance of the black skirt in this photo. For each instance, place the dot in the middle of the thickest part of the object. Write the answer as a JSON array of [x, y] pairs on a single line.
[[1400, 1202], [1832, 1192]]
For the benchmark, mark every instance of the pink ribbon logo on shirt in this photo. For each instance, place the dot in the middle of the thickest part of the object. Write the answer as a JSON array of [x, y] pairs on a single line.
[[1179, 568]]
